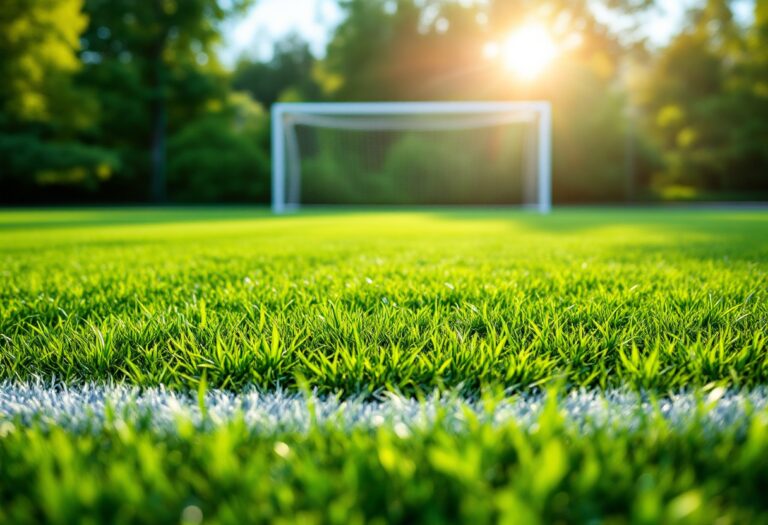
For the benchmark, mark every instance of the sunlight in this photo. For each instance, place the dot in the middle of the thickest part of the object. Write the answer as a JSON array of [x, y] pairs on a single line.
[[528, 51], [491, 50]]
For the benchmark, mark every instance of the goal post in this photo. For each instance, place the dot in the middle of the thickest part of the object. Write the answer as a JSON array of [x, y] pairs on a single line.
[[411, 117]]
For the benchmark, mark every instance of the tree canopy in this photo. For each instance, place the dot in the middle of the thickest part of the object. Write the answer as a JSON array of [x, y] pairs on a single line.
[[126, 100]]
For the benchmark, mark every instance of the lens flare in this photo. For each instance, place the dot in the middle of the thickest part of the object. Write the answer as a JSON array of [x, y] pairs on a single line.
[[491, 51], [529, 51]]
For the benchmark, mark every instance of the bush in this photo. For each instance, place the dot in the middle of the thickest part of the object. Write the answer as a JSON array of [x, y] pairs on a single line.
[[29, 165], [212, 160]]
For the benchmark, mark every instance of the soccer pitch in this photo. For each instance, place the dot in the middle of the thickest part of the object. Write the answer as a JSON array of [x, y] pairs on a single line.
[[418, 366]]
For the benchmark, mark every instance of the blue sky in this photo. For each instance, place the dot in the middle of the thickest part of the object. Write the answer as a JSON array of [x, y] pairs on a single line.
[[314, 20]]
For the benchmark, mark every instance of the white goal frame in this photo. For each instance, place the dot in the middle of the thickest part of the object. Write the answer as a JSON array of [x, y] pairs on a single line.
[[285, 116]]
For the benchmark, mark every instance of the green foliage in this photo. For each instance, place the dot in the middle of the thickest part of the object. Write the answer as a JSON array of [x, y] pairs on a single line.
[[152, 67], [431, 170], [41, 113], [713, 72], [687, 107], [590, 136], [364, 303], [38, 52], [93, 87], [420, 61], [290, 70], [219, 158], [414, 168], [31, 163], [124, 78]]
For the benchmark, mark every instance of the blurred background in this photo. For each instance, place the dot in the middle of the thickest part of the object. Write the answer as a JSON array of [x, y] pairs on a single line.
[[167, 101]]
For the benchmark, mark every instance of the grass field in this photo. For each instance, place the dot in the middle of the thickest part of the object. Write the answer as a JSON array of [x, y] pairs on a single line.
[[226, 366]]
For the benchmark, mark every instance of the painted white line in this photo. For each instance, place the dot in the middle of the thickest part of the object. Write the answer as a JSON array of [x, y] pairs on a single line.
[[90, 407]]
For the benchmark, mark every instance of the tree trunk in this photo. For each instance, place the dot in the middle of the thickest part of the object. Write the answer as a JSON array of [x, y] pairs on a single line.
[[158, 109], [159, 122], [158, 146]]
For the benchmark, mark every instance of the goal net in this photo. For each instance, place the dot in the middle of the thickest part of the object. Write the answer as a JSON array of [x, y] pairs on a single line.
[[473, 153]]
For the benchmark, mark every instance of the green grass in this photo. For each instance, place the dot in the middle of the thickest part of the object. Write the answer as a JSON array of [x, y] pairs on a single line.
[[484, 474], [362, 303], [401, 301]]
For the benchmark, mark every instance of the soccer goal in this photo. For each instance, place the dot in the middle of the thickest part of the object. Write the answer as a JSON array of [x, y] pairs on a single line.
[[413, 153]]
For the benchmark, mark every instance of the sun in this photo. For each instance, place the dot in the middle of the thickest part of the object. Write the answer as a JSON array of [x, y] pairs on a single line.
[[528, 51]]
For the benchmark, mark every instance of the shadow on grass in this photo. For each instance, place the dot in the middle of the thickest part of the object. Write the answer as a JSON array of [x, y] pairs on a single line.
[[97, 217]]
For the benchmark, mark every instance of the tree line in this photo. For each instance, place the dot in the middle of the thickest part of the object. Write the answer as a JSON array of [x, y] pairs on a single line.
[[127, 101]]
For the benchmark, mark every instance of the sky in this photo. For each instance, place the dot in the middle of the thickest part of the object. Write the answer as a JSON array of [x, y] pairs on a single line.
[[269, 20], [314, 20]]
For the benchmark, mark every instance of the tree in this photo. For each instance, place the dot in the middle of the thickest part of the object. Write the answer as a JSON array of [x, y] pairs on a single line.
[[41, 115], [38, 54], [714, 72], [433, 50], [233, 142], [750, 89], [288, 72], [142, 56]]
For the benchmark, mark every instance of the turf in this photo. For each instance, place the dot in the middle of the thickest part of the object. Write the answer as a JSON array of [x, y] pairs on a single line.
[[370, 302], [177, 365], [486, 473]]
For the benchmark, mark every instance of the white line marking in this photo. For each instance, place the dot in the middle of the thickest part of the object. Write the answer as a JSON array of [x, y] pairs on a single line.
[[90, 407]]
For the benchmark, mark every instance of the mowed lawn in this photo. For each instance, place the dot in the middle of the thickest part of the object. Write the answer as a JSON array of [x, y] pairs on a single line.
[[402, 301], [361, 309]]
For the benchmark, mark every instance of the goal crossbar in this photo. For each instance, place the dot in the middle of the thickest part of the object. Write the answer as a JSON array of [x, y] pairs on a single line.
[[378, 116]]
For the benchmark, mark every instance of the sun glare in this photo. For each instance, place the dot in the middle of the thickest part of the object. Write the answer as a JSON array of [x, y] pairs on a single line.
[[528, 51], [491, 50]]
